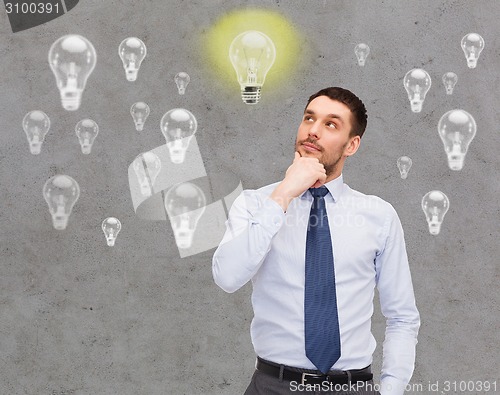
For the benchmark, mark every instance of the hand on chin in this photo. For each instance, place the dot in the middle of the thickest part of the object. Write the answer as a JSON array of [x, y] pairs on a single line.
[[317, 184]]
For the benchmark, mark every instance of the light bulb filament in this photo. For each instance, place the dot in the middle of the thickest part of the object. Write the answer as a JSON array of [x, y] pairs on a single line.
[[253, 67], [60, 208], [72, 73]]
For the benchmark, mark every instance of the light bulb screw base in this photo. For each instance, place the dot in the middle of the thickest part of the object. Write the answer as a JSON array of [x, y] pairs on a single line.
[[434, 228], [59, 222], [184, 239], [471, 63], [177, 156], [131, 74], [416, 106], [86, 149], [35, 148], [455, 162], [71, 100], [250, 94]]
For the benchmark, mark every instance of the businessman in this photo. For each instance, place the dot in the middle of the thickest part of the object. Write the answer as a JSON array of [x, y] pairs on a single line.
[[315, 250]]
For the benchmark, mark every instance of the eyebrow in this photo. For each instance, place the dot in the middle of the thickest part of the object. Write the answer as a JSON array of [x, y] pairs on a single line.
[[334, 116]]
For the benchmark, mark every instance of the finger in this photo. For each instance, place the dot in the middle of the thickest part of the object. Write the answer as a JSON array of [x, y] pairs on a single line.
[[297, 156], [317, 184]]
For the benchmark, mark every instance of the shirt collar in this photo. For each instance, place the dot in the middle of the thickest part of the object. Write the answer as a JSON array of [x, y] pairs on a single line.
[[335, 187]]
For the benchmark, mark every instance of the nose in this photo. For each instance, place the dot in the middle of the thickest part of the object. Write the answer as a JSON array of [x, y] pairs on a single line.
[[314, 131]]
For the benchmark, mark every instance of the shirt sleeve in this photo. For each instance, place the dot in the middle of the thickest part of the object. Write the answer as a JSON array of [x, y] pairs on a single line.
[[397, 303], [253, 221]]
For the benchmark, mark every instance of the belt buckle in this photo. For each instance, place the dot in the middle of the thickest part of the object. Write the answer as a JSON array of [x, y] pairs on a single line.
[[312, 375]]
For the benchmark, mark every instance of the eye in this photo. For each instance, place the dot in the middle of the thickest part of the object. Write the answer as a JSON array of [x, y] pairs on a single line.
[[307, 118], [331, 125]]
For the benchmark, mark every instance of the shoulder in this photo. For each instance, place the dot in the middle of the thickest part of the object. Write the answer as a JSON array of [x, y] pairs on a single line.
[[370, 206], [255, 197], [260, 192], [268, 189], [370, 201]]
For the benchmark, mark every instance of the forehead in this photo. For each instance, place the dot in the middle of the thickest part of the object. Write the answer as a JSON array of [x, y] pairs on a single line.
[[323, 105]]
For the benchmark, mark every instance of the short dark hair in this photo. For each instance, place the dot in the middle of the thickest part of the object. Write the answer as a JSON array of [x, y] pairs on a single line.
[[354, 103]]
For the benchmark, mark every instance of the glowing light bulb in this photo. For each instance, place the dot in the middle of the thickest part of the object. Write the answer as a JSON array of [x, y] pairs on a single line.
[[456, 128], [417, 83], [362, 51], [72, 59], [449, 80], [435, 205], [147, 166], [86, 131], [182, 80], [61, 193], [252, 54], [111, 226], [36, 124], [178, 126], [140, 112], [132, 52], [404, 164], [185, 204], [472, 45]]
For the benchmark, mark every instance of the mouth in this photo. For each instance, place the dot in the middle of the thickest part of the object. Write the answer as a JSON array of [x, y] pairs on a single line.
[[311, 147]]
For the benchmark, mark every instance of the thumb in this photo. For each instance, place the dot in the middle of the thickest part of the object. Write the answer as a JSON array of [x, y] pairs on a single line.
[[297, 156]]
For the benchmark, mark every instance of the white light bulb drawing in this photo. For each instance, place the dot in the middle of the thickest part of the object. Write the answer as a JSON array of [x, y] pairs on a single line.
[[182, 80], [72, 59], [472, 45], [417, 83], [178, 126], [185, 204], [140, 112], [147, 166], [132, 52], [111, 226], [404, 164], [252, 54], [61, 193], [36, 125], [86, 130], [449, 80], [435, 205], [362, 51], [456, 128]]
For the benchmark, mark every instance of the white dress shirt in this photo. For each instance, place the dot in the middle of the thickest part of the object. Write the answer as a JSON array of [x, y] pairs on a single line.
[[267, 246]]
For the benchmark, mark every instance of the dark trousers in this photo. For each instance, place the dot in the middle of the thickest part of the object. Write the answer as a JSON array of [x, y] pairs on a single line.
[[264, 384]]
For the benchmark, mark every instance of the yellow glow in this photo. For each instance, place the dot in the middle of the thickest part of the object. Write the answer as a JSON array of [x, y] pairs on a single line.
[[286, 39]]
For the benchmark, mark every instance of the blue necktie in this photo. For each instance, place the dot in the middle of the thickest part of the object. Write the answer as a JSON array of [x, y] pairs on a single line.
[[322, 337]]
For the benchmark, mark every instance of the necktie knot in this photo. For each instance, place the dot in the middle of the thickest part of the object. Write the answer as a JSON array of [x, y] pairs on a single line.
[[318, 192]]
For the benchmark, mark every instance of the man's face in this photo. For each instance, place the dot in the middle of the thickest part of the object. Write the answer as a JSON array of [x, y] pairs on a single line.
[[324, 134]]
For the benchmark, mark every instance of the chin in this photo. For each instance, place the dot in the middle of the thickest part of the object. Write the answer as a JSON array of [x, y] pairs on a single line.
[[304, 152]]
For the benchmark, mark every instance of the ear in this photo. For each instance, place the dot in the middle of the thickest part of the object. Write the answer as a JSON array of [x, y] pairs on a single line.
[[352, 146]]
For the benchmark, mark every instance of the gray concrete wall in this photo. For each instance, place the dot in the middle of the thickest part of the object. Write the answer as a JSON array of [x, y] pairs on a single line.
[[79, 317]]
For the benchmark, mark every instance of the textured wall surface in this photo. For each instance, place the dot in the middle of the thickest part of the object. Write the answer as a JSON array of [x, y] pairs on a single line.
[[79, 317]]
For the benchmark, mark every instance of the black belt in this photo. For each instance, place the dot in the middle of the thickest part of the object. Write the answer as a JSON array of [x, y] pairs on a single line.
[[305, 376]]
